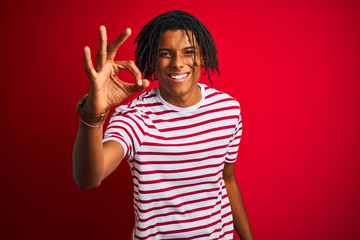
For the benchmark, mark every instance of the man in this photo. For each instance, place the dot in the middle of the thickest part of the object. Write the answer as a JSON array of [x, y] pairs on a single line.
[[181, 139]]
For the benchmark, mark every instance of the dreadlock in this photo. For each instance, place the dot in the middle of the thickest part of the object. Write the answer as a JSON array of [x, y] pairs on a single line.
[[146, 54]]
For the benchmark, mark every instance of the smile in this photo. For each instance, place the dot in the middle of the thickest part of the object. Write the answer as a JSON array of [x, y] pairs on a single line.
[[178, 77]]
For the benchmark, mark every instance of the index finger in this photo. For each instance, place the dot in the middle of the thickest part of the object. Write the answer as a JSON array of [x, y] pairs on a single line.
[[114, 45], [131, 66]]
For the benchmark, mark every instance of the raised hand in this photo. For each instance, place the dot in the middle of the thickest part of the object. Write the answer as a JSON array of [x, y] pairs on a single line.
[[106, 89]]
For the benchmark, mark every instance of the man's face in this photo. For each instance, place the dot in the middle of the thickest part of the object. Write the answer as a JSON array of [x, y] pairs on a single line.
[[177, 74]]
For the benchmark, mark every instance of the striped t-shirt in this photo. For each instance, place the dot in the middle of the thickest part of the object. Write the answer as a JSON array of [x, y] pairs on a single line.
[[177, 156]]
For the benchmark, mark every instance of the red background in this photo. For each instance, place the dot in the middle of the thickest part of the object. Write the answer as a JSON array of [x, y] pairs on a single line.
[[293, 65]]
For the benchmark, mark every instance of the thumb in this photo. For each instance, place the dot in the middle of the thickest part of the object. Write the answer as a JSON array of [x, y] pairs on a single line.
[[140, 85]]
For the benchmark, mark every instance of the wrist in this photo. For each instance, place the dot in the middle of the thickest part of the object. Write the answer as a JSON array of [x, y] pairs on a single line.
[[90, 119]]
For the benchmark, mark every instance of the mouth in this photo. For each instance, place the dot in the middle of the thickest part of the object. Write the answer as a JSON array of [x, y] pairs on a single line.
[[178, 77]]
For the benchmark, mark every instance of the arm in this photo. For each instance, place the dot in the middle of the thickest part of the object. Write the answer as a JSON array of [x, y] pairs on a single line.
[[241, 221], [93, 161]]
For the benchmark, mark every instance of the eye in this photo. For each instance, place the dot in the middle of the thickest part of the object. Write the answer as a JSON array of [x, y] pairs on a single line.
[[190, 52], [165, 55]]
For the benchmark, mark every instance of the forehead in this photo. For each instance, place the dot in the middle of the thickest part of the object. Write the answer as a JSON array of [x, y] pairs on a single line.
[[177, 38]]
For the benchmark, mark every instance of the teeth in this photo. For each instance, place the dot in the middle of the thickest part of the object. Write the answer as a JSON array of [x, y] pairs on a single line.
[[179, 76]]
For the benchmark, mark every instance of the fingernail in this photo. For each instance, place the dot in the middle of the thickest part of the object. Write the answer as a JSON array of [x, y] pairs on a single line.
[[126, 30], [139, 82]]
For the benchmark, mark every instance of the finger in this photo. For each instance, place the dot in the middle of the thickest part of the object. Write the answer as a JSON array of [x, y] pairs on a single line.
[[139, 88], [131, 66], [114, 45], [88, 64], [102, 52]]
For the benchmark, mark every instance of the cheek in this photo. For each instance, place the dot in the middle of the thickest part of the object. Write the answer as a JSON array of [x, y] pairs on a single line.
[[199, 62], [163, 64]]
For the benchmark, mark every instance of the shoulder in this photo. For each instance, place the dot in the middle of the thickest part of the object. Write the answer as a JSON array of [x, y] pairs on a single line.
[[214, 97], [138, 105]]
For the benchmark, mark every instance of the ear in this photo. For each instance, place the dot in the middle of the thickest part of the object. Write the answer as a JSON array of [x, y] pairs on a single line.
[[202, 60]]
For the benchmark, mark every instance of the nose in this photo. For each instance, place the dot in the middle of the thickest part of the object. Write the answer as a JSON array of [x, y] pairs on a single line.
[[177, 62]]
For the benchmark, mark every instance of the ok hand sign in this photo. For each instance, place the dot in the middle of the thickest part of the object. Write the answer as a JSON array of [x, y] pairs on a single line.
[[106, 88]]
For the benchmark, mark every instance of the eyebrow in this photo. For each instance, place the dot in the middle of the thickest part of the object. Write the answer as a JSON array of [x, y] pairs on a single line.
[[169, 50]]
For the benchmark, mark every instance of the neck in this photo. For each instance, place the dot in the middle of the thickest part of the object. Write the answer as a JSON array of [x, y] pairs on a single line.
[[183, 101]]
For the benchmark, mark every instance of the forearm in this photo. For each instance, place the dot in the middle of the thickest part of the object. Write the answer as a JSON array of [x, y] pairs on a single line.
[[241, 221], [88, 157]]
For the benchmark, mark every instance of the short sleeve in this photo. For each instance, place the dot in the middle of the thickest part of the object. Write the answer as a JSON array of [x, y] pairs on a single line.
[[233, 147], [126, 127]]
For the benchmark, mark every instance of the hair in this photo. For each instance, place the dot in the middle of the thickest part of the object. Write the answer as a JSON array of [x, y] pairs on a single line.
[[146, 53]]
